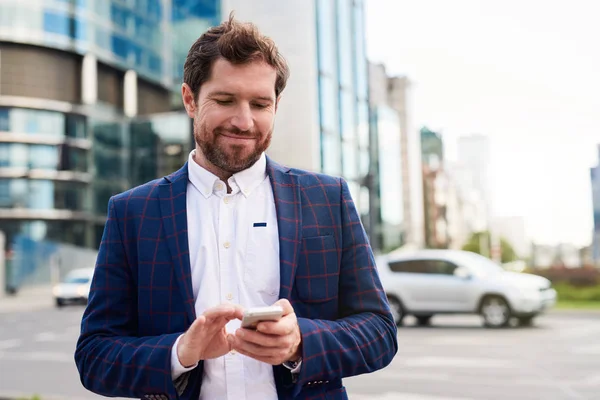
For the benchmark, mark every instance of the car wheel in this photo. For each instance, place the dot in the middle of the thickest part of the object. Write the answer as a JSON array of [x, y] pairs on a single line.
[[59, 303], [495, 312], [423, 320], [397, 310], [526, 321]]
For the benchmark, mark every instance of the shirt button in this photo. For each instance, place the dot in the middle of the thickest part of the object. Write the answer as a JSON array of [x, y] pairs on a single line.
[[232, 352], [227, 245], [229, 296], [219, 186], [226, 200]]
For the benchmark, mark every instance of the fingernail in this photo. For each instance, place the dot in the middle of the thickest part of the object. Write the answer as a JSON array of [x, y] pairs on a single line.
[[240, 333], [230, 339]]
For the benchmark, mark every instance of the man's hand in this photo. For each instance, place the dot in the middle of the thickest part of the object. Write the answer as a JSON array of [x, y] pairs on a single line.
[[206, 338], [272, 342]]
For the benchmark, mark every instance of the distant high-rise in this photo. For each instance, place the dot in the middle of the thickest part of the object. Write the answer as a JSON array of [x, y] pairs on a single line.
[[474, 154], [595, 177]]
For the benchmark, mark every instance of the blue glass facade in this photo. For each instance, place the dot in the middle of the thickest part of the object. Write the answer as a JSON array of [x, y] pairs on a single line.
[[60, 160], [131, 34], [343, 95]]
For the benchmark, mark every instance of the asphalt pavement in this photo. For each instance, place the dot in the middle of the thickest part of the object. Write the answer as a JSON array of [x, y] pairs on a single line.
[[456, 358]]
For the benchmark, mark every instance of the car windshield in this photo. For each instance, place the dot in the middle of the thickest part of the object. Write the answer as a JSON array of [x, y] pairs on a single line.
[[482, 266], [76, 279]]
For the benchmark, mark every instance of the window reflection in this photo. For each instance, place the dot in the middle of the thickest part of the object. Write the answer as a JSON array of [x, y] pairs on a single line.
[[345, 46], [349, 159], [329, 104], [39, 194], [331, 156], [326, 37], [21, 120], [48, 157], [348, 115]]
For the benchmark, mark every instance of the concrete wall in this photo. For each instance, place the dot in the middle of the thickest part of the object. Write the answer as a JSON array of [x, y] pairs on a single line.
[[292, 25]]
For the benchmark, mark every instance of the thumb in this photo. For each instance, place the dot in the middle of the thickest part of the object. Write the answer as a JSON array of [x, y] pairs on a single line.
[[196, 326], [285, 305]]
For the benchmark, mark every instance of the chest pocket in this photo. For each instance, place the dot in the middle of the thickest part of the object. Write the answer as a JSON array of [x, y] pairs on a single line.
[[317, 276], [261, 272]]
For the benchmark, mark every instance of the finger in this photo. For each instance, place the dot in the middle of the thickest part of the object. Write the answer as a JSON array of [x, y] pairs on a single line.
[[223, 310], [285, 305], [284, 326], [261, 339], [196, 326], [258, 351]]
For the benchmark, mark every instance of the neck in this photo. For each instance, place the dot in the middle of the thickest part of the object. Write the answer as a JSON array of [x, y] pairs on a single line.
[[201, 160]]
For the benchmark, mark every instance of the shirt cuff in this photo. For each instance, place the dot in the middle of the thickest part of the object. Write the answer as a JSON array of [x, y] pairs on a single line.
[[176, 368], [294, 367]]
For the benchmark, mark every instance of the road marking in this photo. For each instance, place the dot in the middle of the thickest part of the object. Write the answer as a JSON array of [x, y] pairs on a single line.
[[589, 350], [404, 396], [10, 344], [39, 356], [457, 362], [47, 337]]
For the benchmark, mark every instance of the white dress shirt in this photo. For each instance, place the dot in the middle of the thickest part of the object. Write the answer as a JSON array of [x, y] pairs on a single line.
[[234, 258]]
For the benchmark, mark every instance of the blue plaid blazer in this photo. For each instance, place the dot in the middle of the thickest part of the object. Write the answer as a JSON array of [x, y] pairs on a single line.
[[141, 296]]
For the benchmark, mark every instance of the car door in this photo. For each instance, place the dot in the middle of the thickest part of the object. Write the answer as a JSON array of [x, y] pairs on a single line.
[[409, 281], [446, 289]]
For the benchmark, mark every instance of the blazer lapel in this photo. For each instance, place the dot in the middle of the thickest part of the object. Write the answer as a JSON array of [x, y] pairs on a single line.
[[286, 192], [173, 208]]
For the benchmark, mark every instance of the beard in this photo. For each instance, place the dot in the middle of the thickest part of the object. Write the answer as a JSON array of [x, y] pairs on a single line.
[[226, 157]]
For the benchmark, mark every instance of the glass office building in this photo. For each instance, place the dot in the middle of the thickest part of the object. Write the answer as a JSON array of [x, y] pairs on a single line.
[[343, 95], [388, 219], [86, 107]]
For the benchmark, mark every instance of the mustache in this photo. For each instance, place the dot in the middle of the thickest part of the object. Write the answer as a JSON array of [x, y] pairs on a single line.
[[235, 131]]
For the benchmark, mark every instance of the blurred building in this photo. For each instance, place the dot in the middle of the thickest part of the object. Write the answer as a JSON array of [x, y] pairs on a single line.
[[85, 108], [322, 122], [393, 93], [471, 216], [512, 229], [474, 154], [435, 190], [595, 177]]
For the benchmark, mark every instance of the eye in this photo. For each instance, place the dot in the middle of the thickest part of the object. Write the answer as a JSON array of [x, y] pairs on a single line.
[[223, 102], [260, 105]]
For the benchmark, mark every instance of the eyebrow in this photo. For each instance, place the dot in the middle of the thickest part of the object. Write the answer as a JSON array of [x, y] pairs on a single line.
[[222, 93]]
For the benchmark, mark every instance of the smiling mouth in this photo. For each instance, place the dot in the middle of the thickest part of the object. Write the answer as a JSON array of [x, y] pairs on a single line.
[[238, 137]]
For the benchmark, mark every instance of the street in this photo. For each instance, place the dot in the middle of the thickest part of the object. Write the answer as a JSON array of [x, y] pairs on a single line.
[[558, 358]]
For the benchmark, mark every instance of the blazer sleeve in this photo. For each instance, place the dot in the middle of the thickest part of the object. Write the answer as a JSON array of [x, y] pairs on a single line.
[[111, 360], [364, 338]]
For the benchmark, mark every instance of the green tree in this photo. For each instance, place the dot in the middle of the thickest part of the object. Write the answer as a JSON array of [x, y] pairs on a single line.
[[507, 253]]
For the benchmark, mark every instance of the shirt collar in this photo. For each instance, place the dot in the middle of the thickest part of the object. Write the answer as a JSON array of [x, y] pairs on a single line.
[[247, 180]]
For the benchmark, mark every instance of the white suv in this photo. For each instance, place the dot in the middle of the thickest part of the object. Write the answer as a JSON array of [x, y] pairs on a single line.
[[427, 282]]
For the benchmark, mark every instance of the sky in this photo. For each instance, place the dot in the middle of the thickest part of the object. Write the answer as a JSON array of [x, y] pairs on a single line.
[[525, 73]]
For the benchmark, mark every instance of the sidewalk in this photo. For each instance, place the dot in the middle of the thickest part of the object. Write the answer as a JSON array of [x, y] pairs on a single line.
[[27, 299]]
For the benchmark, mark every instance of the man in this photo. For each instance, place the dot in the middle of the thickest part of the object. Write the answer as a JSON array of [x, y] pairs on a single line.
[[181, 257]]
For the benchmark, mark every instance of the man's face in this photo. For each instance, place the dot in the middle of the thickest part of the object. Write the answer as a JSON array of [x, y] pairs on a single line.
[[234, 113]]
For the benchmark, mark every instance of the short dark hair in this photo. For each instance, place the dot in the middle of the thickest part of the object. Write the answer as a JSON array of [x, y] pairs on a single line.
[[236, 42]]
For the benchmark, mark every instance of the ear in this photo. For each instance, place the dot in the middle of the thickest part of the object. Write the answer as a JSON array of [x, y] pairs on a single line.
[[188, 100]]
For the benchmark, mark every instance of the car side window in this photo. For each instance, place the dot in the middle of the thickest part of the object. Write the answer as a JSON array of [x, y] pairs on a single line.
[[411, 266], [441, 267]]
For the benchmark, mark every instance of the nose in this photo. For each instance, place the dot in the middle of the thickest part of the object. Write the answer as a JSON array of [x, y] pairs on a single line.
[[243, 119]]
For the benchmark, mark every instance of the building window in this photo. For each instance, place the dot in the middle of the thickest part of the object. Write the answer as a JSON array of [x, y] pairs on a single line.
[[331, 154], [326, 32]]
